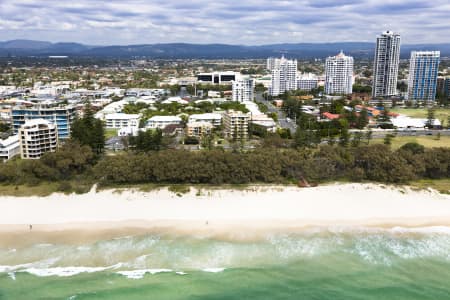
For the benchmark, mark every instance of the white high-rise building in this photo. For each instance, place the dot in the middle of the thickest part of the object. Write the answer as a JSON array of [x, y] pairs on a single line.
[[385, 67], [271, 63], [284, 76], [243, 89], [339, 74], [423, 73], [307, 82]]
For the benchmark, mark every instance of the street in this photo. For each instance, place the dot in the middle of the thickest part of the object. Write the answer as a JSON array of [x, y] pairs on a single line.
[[282, 121]]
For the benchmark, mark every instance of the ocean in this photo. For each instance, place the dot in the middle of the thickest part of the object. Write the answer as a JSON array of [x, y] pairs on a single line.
[[315, 263]]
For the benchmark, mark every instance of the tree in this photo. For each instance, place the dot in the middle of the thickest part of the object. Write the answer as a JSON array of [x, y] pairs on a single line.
[[388, 139], [362, 119], [4, 127], [150, 140], [89, 131], [414, 148], [384, 120], [207, 141], [357, 137], [344, 136], [430, 118], [369, 134]]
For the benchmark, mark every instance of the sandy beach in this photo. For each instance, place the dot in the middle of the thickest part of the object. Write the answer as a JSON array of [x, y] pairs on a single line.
[[226, 210]]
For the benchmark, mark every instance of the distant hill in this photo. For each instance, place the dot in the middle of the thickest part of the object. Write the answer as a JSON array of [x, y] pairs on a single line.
[[211, 51]]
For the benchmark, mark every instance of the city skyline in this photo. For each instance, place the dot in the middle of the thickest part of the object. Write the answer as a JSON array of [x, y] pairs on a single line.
[[96, 22]]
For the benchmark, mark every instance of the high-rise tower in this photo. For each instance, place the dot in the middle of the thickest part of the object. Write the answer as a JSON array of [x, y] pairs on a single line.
[[385, 66], [423, 73], [339, 74]]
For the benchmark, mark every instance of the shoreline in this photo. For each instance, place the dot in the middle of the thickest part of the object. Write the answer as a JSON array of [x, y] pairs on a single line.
[[220, 212]]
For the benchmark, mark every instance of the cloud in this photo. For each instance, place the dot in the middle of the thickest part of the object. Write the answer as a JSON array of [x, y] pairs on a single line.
[[251, 22]]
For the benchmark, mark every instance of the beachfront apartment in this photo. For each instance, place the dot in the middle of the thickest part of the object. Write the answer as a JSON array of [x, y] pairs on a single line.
[[214, 119], [37, 137], [9, 147], [121, 120], [162, 121], [236, 124], [199, 129], [62, 117]]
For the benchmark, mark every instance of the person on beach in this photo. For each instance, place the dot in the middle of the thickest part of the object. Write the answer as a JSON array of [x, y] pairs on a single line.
[[31, 227]]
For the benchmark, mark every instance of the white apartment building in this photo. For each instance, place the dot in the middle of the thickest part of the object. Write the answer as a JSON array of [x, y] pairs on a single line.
[[385, 66], [243, 90], [199, 129], [339, 74], [162, 121], [236, 124], [423, 73], [9, 147], [214, 119], [37, 137], [307, 82], [271, 63], [121, 120], [284, 76]]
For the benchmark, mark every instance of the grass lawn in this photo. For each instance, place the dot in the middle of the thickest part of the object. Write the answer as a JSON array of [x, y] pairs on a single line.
[[427, 141], [441, 114], [441, 185], [40, 190], [109, 133]]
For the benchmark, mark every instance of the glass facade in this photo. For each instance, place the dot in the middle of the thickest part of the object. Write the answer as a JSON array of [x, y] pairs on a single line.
[[62, 117]]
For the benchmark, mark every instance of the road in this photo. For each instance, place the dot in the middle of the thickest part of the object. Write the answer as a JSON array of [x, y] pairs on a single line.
[[376, 133], [282, 121]]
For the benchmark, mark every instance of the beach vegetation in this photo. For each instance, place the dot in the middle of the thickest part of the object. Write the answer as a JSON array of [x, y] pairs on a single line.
[[75, 167]]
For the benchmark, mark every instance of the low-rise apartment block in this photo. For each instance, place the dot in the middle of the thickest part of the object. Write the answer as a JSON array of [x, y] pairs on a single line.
[[199, 129], [162, 121], [121, 120], [37, 137], [236, 124], [9, 147], [214, 119]]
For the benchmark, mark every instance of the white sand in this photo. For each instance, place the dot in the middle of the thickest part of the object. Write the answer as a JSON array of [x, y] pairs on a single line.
[[338, 204]]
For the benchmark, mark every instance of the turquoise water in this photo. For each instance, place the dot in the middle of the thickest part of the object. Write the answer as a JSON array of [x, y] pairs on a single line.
[[312, 264]]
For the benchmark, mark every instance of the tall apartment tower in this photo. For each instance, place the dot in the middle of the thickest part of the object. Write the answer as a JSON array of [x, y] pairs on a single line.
[[339, 74], [423, 73], [385, 66], [284, 75], [243, 89]]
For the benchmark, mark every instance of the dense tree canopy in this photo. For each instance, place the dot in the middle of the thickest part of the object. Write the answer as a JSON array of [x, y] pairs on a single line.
[[89, 131]]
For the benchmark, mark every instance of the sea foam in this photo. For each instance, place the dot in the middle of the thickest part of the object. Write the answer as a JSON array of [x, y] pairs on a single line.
[[62, 271], [213, 270], [139, 274]]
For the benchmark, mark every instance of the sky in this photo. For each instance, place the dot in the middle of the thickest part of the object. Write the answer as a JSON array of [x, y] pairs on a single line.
[[243, 22]]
